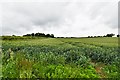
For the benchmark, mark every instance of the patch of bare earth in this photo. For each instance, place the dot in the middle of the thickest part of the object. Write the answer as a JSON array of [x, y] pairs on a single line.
[[99, 70]]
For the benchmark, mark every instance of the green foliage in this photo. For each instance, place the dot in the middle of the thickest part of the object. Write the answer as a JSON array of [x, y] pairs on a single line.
[[10, 70], [112, 71], [57, 58]]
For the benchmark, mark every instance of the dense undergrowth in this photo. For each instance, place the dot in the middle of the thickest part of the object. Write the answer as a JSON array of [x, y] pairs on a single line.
[[63, 60]]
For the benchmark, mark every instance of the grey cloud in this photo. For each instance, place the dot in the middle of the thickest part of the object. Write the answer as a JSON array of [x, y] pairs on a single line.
[[66, 17], [26, 15], [119, 17], [106, 12], [108, 16]]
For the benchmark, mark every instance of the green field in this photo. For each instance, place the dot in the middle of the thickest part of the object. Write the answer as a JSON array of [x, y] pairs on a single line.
[[61, 58]]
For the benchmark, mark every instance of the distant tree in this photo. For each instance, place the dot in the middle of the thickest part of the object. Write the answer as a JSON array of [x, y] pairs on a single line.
[[36, 34], [104, 36], [118, 35], [88, 36], [48, 35], [40, 35], [52, 35], [32, 34], [99, 36], [91, 36], [13, 35], [27, 35], [95, 36], [110, 35]]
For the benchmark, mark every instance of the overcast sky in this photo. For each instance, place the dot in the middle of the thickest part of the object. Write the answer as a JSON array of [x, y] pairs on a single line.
[[61, 18]]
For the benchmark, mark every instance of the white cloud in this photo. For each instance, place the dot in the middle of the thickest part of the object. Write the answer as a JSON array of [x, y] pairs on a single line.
[[70, 18]]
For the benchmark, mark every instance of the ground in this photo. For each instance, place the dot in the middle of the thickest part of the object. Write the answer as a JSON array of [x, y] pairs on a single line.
[[60, 58]]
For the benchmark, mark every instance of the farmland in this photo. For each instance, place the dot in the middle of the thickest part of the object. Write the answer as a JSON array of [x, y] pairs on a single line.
[[61, 58]]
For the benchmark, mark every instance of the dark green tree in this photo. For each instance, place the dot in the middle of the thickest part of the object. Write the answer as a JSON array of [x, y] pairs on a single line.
[[110, 35], [118, 35]]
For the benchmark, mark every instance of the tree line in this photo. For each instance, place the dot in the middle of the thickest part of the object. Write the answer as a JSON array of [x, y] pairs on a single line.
[[108, 35], [40, 35], [52, 35], [27, 36]]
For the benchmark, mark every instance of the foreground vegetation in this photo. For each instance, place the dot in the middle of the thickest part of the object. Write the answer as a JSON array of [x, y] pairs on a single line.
[[61, 58]]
